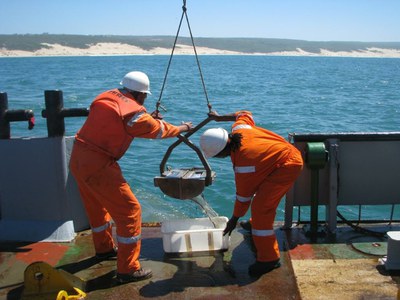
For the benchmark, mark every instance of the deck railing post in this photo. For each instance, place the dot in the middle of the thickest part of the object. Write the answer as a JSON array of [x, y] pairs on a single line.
[[331, 210], [4, 124], [15, 115], [54, 103], [55, 112]]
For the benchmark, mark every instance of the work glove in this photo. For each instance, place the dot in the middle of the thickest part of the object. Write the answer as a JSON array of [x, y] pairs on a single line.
[[231, 225], [213, 113], [156, 115]]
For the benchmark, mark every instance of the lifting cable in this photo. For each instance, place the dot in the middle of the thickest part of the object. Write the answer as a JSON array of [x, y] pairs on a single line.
[[184, 183], [184, 13]]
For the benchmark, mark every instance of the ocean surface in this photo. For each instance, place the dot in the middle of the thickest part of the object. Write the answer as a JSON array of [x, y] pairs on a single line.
[[285, 94]]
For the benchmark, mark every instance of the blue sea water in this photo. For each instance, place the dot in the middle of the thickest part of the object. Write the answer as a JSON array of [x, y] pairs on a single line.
[[285, 94]]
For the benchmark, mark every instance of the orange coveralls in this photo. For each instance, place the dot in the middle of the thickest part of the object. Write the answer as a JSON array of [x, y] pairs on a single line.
[[265, 167], [114, 120]]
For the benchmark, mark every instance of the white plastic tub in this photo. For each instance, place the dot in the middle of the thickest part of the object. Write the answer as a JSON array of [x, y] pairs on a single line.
[[193, 235]]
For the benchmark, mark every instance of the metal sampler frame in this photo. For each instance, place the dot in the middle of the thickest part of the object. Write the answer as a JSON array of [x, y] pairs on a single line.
[[187, 183], [190, 182]]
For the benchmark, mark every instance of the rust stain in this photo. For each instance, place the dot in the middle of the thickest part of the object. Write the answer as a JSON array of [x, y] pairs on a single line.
[[47, 252], [305, 251]]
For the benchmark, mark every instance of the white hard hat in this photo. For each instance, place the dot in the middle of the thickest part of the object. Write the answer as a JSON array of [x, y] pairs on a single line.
[[213, 141], [136, 81]]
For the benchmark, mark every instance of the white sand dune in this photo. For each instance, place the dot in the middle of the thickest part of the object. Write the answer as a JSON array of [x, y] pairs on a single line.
[[102, 49]]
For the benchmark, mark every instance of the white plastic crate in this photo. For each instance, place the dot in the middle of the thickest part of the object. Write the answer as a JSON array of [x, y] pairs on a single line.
[[193, 235]]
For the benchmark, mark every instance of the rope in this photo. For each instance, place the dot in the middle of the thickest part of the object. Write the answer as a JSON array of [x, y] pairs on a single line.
[[184, 14], [361, 229]]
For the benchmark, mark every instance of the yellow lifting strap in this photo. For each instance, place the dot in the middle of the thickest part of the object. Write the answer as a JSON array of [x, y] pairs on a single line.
[[42, 281]]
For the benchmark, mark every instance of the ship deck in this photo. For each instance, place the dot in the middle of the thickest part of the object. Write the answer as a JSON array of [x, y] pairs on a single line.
[[322, 266]]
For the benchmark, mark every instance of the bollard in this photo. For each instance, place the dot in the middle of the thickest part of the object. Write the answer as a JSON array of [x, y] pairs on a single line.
[[316, 158], [55, 112], [7, 116]]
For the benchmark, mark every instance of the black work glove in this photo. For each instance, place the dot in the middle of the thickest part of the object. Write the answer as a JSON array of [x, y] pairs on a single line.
[[231, 225], [156, 115]]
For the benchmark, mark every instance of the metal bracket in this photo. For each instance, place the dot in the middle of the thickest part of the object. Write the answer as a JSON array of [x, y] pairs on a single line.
[[42, 281]]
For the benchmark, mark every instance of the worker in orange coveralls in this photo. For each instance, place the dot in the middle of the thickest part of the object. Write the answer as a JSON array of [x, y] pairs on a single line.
[[116, 117], [265, 167]]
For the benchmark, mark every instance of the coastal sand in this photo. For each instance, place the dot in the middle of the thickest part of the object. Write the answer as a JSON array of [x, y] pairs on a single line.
[[102, 49]]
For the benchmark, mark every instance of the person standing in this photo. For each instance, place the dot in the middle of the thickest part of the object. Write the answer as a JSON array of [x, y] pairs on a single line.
[[265, 166], [115, 118]]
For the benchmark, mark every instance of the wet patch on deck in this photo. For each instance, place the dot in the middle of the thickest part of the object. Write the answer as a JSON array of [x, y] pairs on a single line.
[[211, 275]]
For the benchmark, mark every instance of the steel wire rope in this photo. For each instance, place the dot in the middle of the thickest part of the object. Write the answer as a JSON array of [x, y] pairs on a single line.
[[361, 229], [184, 14]]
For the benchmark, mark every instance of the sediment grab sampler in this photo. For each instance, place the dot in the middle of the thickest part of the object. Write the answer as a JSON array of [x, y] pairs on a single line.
[[186, 183]]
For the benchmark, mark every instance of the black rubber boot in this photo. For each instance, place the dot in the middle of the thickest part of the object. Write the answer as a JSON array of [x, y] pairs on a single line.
[[138, 275], [246, 225], [107, 255], [259, 267]]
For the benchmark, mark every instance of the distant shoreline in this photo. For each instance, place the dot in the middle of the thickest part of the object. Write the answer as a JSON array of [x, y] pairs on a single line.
[[114, 49]]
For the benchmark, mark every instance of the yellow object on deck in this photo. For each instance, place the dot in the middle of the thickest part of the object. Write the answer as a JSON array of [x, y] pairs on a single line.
[[63, 295], [42, 281]]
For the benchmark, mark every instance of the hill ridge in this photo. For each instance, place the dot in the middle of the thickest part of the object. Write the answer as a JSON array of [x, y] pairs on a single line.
[[34, 42]]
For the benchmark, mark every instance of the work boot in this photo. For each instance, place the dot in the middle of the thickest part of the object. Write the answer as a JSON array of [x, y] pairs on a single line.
[[260, 267], [138, 275], [107, 255], [246, 225]]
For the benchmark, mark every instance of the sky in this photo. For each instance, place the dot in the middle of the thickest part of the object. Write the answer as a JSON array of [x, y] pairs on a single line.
[[312, 20]]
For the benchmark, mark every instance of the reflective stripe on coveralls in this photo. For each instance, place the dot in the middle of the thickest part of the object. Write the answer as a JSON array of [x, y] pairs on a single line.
[[160, 134], [101, 228], [249, 169], [243, 199], [246, 169], [128, 240], [262, 232], [241, 127], [136, 118]]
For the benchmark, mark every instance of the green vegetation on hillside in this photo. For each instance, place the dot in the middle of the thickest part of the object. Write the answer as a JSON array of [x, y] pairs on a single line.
[[33, 42]]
